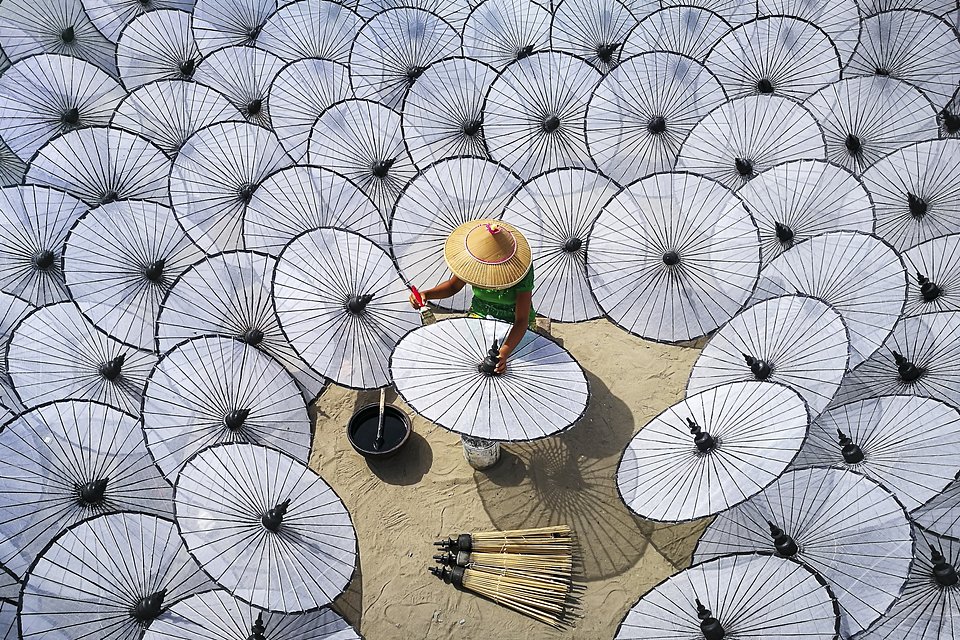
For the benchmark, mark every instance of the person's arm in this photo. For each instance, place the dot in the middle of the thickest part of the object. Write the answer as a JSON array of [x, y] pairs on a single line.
[[521, 321], [449, 288]]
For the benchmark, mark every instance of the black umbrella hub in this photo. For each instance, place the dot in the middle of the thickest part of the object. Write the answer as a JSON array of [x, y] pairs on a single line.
[[109, 196], [784, 234], [489, 365], [524, 52], [68, 35], [853, 144], [671, 258], [917, 206], [154, 271], [881, 71], [764, 86], [704, 442], [471, 128], [273, 518], [234, 419], [245, 192], [710, 627], [110, 370], [784, 544], [551, 123], [744, 167], [253, 33], [357, 304], [907, 371], [851, 451], [258, 629], [572, 244], [381, 168], [761, 369], [657, 125], [928, 289], [187, 67], [252, 336], [148, 607], [70, 118], [951, 121], [944, 573], [90, 494], [413, 72], [254, 107], [43, 260], [606, 52]]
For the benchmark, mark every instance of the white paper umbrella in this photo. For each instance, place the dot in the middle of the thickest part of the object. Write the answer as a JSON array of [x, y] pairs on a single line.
[[158, 45], [111, 16], [214, 177], [534, 117], [500, 31], [55, 353], [687, 30], [12, 311], [443, 111], [779, 55], [34, 222], [745, 136], [858, 274], [593, 29], [442, 197], [303, 198], [712, 451], [300, 93], [67, 461], [730, 10], [798, 200], [839, 19], [843, 525], [120, 260], [392, 50], [28, 27], [453, 11], [921, 357], [229, 294], [266, 527], [12, 168], [673, 256], [363, 141], [905, 443], [941, 513], [555, 211], [311, 29], [244, 75], [101, 164], [45, 95], [108, 577], [933, 271], [167, 112], [223, 23], [929, 608], [213, 389], [749, 596], [342, 305], [437, 370], [795, 340], [643, 110], [216, 615], [917, 192], [913, 46], [864, 119]]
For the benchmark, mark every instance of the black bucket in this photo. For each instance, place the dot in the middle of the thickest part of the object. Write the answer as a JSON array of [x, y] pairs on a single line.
[[362, 430]]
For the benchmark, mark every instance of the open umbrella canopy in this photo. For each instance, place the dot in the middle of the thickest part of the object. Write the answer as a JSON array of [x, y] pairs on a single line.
[[392, 50], [213, 389], [500, 31], [244, 75], [157, 45], [228, 294], [311, 29], [12, 311], [841, 524], [797, 200], [642, 111], [55, 353], [216, 615], [266, 527], [592, 29], [712, 451], [119, 262], [749, 596], [781, 55], [68, 461], [905, 443], [224, 23], [45, 95], [734, 12], [933, 271], [34, 222], [673, 256], [441, 371], [453, 11], [111, 16], [687, 30], [941, 513], [857, 274], [745, 136], [342, 305], [795, 340], [555, 211], [534, 116], [108, 577], [839, 19], [438, 200]]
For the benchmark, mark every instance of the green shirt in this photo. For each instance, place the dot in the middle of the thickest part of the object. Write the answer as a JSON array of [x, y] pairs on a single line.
[[502, 303]]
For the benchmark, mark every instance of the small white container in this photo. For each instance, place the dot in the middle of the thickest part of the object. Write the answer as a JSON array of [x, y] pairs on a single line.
[[481, 454]]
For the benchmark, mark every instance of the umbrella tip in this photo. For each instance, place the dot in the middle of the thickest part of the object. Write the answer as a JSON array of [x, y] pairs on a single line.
[[109, 196], [234, 419], [70, 117], [605, 52], [551, 123], [853, 144], [657, 125], [357, 304], [744, 167], [252, 336], [90, 494], [951, 121], [928, 289], [671, 258], [943, 572], [148, 607], [254, 107], [471, 128], [709, 625], [907, 371], [154, 271], [187, 67], [524, 52], [784, 234], [68, 35], [917, 205], [764, 86], [851, 452], [704, 442], [245, 192], [784, 544], [489, 365], [110, 370], [273, 518], [258, 629], [572, 244], [43, 260]]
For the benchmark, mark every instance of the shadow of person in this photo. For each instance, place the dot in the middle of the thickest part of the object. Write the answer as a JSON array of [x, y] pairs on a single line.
[[408, 466], [349, 604]]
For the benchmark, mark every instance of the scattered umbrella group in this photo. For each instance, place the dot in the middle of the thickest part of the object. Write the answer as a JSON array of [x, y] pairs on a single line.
[[211, 208]]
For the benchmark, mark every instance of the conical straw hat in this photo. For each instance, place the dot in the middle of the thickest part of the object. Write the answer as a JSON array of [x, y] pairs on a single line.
[[487, 253]]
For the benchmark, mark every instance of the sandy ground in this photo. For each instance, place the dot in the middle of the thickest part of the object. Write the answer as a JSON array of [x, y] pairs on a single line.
[[428, 491]]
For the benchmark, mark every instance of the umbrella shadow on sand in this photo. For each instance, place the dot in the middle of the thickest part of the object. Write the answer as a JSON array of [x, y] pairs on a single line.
[[571, 479], [349, 604]]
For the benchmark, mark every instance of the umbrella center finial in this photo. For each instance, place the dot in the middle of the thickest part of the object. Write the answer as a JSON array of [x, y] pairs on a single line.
[[234, 419], [851, 452], [252, 336], [273, 518], [853, 144], [254, 107], [258, 629], [109, 196], [744, 167], [784, 234], [657, 125], [524, 52], [929, 290], [148, 607], [943, 572], [489, 365], [704, 442], [551, 123], [382, 167], [784, 544], [68, 35], [91, 494], [907, 371], [358, 304], [760, 369], [110, 370], [710, 627], [917, 205], [951, 121], [471, 128], [881, 71], [764, 86], [572, 244], [671, 258], [154, 271], [245, 192], [605, 52], [414, 72], [253, 33], [70, 117], [187, 67], [43, 260]]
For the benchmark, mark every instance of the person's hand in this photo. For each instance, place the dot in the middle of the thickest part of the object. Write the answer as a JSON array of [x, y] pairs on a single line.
[[413, 301], [502, 360]]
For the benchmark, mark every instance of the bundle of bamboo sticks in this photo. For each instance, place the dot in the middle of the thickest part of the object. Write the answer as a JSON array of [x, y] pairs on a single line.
[[527, 570]]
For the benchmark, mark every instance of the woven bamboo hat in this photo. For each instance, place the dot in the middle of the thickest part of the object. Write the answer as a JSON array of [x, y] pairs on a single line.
[[488, 253]]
